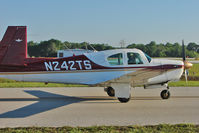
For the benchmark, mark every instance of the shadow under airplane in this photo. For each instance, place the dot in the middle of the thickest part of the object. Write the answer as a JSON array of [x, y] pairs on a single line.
[[45, 101]]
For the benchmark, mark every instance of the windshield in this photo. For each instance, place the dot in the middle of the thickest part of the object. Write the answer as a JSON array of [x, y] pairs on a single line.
[[148, 57]]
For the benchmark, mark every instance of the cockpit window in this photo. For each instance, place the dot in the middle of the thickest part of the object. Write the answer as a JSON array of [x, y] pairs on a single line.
[[116, 59], [148, 57], [134, 58]]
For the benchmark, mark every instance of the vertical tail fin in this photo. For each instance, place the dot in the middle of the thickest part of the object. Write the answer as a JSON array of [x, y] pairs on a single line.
[[13, 47]]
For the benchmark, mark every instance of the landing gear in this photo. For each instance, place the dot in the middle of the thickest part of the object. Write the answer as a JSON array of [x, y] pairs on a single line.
[[165, 94], [124, 100], [110, 91], [122, 91]]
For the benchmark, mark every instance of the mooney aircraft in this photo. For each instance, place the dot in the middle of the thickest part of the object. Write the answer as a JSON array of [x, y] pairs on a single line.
[[117, 70]]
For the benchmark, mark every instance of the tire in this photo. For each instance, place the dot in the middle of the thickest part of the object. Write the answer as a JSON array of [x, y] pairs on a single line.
[[124, 100], [165, 94], [110, 92]]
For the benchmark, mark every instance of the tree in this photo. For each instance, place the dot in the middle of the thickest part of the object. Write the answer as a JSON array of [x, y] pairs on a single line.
[[151, 49], [193, 46], [32, 48], [49, 48]]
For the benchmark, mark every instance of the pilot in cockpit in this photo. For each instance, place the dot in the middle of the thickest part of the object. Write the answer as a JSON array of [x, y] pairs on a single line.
[[134, 58], [131, 58]]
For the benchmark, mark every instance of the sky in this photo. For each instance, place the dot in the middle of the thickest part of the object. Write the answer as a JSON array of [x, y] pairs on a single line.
[[104, 21]]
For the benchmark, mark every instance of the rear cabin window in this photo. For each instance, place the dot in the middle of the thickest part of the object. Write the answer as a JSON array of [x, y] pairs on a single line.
[[61, 54], [116, 59], [134, 58]]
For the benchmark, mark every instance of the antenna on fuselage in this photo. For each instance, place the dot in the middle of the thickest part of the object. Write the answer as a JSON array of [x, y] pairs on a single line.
[[122, 43], [93, 48], [88, 44], [69, 50]]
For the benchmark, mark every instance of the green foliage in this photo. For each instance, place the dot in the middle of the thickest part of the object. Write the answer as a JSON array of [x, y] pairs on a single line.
[[36, 84], [49, 48], [194, 71], [193, 46], [164, 50], [184, 84], [7, 83], [45, 48], [163, 128]]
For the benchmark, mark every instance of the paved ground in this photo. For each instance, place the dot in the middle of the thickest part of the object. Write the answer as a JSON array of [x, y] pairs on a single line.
[[89, 106]]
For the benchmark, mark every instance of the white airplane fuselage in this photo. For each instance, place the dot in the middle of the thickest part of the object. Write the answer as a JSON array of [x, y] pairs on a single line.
[[118, 69], [84, 71]]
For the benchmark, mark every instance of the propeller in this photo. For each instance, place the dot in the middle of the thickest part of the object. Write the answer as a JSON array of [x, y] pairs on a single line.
[[187, 65]]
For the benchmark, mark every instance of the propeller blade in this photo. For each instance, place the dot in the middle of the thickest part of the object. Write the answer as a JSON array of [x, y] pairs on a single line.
[[185, 73], [183, 51]]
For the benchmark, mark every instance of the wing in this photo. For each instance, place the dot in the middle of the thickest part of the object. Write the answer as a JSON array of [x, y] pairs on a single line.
[[138, 77]]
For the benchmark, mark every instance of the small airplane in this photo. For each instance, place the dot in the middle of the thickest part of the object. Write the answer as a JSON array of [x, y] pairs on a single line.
[[117, 70]]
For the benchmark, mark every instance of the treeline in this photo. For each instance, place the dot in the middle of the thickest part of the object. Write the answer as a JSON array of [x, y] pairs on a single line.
[[166, 50], [49, 48]]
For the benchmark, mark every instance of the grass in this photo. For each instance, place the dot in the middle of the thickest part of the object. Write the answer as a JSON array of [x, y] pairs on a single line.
[[35, 84], [7, 83], [163, 128], [184, 84], [194, 71]]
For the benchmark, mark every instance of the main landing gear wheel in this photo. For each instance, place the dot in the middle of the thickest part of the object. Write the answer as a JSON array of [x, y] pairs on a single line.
[[124, 100], [165, 94], [110, 91]]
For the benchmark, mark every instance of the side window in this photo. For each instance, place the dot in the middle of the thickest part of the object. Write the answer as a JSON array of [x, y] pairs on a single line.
[[134, 58], [116, 59], [61, 54]]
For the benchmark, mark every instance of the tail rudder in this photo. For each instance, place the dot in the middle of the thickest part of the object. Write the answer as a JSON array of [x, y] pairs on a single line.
[[13, 47]]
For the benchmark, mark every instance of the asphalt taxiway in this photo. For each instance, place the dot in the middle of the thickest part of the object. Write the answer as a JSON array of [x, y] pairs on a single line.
[[90, 106]]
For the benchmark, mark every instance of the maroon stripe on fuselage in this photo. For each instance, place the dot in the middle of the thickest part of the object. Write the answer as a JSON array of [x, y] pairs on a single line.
[[80, 62]]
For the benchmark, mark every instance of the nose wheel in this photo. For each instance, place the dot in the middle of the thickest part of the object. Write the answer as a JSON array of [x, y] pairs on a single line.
[[165, 94]]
